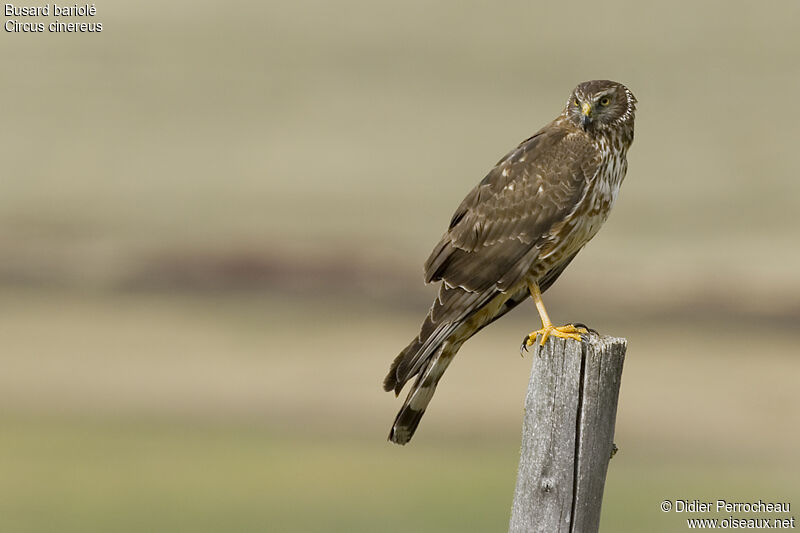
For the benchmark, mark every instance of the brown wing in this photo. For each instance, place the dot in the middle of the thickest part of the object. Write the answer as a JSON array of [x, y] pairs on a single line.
[[496, 233]]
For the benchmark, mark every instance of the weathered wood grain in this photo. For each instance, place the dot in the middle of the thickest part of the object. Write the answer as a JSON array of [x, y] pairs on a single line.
[[567, 435]]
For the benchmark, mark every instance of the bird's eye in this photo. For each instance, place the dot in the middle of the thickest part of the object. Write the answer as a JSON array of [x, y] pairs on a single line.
[[604, 101], [577, 103]]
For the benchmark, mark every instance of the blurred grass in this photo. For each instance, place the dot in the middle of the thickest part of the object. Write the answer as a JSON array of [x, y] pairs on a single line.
[[301, 128], [218, 412], [111, 475], [106, 476]]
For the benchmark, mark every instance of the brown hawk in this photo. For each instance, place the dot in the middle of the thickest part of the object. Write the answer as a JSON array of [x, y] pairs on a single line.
[[515, 233]]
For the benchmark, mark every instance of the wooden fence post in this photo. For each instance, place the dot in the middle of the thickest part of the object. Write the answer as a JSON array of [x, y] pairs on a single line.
[[567, 435]]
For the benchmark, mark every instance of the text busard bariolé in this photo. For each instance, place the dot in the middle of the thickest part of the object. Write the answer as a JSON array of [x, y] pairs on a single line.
[[28, 19]]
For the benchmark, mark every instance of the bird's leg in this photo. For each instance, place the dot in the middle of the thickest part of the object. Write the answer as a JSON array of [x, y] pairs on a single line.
[[568, 331]]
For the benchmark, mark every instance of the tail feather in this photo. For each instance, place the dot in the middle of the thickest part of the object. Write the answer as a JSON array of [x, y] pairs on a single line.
[[455, 316], [392, 380], [441, 335], [409, 416], [451, 308]]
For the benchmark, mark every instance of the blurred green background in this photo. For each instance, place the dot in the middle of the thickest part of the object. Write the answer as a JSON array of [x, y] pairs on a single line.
[[212, 224]]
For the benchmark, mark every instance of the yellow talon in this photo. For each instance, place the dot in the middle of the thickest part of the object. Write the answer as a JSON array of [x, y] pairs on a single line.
[[565, 332], [568, 331]]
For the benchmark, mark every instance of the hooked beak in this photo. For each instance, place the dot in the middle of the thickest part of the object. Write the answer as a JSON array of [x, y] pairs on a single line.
[[586, 114]]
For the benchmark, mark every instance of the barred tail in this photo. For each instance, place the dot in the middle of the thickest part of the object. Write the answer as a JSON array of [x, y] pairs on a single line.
[[407, 420], [451, 321], [455, 316]]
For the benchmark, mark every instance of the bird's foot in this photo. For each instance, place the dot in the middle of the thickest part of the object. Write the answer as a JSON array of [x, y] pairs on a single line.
[[588, 329], [568, 331]]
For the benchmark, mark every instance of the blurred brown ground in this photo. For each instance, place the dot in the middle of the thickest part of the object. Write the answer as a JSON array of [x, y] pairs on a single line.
[[212, 226]]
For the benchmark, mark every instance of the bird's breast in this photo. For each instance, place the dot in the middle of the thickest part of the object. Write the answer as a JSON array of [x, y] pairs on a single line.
[[592, 211], [600, 198]]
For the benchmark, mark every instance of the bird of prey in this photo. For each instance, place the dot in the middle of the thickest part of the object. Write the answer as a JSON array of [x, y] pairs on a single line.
[[515, 233]]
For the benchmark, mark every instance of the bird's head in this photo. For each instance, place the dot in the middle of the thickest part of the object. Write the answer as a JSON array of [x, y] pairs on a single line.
[[598, 105]]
